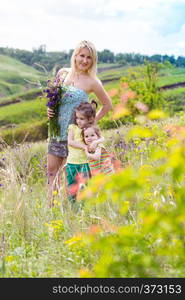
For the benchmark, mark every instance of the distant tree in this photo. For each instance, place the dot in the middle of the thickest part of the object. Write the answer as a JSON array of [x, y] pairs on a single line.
[[162, 58], [23, 55], [180, 62], [166, 58], [119, 58], [58, 59], [156, 58], [70, 53], [139, 59], [106, 56], [172, 60], [40, 50]]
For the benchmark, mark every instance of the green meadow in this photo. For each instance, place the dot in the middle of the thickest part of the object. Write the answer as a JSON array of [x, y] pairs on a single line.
[[126, 224], [171, 76]]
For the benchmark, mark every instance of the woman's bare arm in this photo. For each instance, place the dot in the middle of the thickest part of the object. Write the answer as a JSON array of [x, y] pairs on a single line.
[[99, 91]]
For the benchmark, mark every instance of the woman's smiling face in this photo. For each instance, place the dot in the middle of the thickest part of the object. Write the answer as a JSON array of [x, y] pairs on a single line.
[[83, 60]]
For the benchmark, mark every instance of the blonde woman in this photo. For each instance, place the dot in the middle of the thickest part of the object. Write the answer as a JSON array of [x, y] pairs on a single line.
[[81, 80]]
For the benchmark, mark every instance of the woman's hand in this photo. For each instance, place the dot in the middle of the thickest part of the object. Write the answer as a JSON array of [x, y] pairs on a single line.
[[50, 113]]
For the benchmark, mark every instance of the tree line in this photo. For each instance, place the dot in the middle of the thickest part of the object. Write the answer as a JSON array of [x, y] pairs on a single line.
[[39, 57]]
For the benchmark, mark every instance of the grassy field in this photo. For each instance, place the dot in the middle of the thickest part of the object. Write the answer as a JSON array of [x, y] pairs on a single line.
[[175, 98], [22, 112], [166, 76], [171, 76], [112, 74], [129, 224]]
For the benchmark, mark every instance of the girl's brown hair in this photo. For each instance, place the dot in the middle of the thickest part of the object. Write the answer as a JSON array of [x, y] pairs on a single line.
[[88, 110]]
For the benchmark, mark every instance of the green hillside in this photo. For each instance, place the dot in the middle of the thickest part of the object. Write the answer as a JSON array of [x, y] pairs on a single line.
[[171, 76], [112, 73], [17, 119], [16, 77], [167, 76]]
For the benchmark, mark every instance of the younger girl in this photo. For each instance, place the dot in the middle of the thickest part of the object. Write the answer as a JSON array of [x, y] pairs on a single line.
[[100, 160], [77, 161]]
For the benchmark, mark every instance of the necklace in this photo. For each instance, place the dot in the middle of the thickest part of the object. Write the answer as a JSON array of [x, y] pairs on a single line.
[[75, 80]]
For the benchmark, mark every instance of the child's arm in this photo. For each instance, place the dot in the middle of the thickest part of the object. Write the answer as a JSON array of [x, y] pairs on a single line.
[[94, 144], [96, 155], [73, 143]]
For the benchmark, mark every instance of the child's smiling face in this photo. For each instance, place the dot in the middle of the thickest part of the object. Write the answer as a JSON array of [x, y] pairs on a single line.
[[90, 135]]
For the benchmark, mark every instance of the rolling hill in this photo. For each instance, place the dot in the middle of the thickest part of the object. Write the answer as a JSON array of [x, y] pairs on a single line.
[[23, 110], [16, 77]]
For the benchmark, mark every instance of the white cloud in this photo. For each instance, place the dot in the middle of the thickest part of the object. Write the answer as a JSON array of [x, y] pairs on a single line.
[[142, 26]]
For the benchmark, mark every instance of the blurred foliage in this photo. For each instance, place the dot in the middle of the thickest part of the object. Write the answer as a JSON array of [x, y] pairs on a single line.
[[148, 239], [128, 224]]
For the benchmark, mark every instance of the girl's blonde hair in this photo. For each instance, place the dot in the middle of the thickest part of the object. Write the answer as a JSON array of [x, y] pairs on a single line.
[[85, 44], [96, 130]]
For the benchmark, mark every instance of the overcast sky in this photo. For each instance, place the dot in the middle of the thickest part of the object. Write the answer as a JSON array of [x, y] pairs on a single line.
[[139, 26]]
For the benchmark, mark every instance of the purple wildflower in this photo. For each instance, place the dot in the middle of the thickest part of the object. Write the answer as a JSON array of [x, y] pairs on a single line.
[[54, 92]]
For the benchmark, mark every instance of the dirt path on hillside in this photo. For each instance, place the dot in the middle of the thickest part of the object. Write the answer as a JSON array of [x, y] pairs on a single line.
[[172, 86], [164, 87], [5, 103], [104, 81]]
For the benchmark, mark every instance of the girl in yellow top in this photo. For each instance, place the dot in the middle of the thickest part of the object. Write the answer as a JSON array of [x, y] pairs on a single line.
[[77, 168]]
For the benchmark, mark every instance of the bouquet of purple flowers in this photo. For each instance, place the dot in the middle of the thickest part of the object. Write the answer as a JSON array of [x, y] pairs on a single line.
[[54, 92]]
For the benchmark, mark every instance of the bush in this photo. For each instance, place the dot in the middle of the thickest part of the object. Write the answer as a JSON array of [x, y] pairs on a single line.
[[175, 99], [143, 233]]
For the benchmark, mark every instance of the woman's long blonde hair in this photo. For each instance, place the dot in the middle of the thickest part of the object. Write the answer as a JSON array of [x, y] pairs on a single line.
[[85, 44]]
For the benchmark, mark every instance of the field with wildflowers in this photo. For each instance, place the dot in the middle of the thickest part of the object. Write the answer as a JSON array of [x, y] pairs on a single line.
[[127, 224]]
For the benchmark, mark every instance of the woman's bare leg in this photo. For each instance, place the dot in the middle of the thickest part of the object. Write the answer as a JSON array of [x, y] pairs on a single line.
[[54, 164]]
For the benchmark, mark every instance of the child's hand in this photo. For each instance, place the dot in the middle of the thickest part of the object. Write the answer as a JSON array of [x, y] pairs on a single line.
[[86, 150], [92, 147], [84, 147]]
